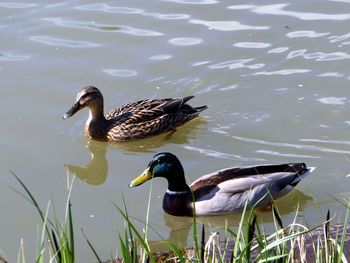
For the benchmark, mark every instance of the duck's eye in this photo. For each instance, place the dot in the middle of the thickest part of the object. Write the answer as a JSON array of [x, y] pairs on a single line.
[[86, 98]]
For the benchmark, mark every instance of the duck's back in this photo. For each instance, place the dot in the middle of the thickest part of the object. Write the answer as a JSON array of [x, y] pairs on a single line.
[[134, 107], [260, 171], [228, 190], [150, 117]]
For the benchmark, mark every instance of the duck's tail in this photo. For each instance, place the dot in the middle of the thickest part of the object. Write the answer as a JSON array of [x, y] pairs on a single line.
[[201, 108], [301, 174], [197, 109], [180, 104]]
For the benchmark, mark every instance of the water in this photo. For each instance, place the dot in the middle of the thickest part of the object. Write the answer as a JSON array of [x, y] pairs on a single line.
[[274, 75]]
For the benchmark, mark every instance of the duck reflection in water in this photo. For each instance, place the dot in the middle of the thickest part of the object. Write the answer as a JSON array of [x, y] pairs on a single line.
[[180, 227], [96, 171]]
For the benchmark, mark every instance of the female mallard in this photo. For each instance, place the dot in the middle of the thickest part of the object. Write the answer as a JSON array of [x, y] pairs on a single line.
[[132, 121], [224, 191]]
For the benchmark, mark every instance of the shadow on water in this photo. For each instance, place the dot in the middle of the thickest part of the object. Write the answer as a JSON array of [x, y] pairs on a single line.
[[96, 171], [180, 227]]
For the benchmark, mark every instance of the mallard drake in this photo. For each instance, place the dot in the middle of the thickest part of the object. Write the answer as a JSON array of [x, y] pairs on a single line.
[[132, 121], [224, 191]]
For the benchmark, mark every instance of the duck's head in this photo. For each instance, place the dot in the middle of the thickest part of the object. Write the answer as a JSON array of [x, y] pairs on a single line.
[[89, 97], [162, 165]]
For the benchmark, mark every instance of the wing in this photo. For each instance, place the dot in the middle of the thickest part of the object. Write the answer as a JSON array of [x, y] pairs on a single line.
[[257, 189], [150, 117], [135, 107], [236, 176], [131, 130], [147, 110]]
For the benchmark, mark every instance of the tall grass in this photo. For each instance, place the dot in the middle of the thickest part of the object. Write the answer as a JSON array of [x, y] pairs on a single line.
[[56, 242], [248, 243]]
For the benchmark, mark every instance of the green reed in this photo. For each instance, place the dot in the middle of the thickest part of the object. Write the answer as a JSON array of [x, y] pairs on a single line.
[[248, 243]]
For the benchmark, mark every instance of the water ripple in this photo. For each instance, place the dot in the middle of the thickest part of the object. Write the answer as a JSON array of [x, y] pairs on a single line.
[[55, 5], [296, 53], [183, 82], [240, 7], [290, 155], [200, 63], [160, 57], [51, 41], [256, 117], [227, 25], [120, 72], [193, 2], [326, 141], [167, 16], [343, 1], [333, 100], [318, 56], [208, 89], [252, 45], [231, 87], [220, 155], [306, 33], [283, 72], [109, 9], [331, 74], [221, 129], [18, 5], [335, 39], [185, 41], [12, 57], [278, 9], [127, 10], [237, 63], [278, 50], [290, 145], [139, 32], [92, 25]]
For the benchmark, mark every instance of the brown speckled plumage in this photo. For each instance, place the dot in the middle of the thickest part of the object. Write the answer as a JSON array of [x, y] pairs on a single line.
[[132, 121]]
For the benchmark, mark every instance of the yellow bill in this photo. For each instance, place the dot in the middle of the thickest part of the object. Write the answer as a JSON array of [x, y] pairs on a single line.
[[144, 177]]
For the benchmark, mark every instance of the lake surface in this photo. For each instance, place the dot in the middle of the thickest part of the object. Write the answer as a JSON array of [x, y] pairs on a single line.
[[275, 76]]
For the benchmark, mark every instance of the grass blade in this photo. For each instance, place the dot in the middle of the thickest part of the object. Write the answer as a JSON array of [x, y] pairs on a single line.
[[133, 229], [250, 230], [56, 246], [342, 242], [277, 217], [91, 246], [202, 244], [71, 231]]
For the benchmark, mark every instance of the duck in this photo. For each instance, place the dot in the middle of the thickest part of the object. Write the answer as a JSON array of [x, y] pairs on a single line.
[[132, 121], [224, 191]]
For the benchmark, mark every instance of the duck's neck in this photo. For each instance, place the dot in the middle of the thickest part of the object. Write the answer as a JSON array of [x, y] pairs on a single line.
[[177, 198], [96, 126], [177, 184], [96, 113]]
